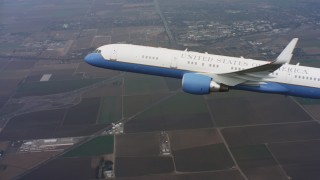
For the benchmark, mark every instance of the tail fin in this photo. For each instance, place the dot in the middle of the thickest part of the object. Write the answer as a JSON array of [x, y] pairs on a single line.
[[286, 54]]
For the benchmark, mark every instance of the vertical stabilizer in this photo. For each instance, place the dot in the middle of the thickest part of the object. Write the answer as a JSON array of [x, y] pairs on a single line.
[[286, 54]]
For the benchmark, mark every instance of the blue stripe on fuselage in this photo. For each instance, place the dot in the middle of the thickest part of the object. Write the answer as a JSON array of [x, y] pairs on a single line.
[[280, 88], [97, 60]]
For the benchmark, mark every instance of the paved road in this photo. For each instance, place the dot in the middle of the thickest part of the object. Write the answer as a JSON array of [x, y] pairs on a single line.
[[172, 40]]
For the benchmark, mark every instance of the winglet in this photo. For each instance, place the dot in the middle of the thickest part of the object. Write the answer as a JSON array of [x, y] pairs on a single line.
[[286, 54]]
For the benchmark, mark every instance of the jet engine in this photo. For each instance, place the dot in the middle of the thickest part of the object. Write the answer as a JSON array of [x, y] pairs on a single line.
[[200, 84]]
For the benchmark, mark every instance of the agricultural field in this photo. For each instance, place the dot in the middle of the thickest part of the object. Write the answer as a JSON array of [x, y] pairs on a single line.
[[253, 109], [229, 136], [127, 166], [181, 111], [78, 168], [144, 144], [95, 147]]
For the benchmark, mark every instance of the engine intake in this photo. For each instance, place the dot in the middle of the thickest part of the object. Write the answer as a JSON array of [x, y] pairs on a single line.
[[200, 84]]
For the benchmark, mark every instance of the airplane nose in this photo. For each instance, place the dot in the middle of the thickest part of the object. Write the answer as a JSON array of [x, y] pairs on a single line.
[[89, 58], [94, 59]]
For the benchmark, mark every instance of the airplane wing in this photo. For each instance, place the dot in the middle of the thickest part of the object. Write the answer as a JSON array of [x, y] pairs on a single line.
[[255, 74], [283, 58]]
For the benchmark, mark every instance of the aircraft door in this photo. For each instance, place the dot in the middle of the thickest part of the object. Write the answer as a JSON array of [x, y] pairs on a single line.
[[113, 55], [174, 62], [289, 77]]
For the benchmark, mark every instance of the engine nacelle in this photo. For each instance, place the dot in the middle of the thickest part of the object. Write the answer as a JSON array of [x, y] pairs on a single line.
[[200, 84]]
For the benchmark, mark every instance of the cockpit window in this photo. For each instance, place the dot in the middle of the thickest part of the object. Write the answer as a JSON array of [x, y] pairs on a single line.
[[97, 51]]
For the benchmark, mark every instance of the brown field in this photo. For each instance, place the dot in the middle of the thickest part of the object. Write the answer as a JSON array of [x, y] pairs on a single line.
[[23, 126], [84, 113], [77, 130], [100, 41], [42, 132], [19, 64], [220, 175], [256, 109], [50, 117], [241, 136], [203, 158], [21, 162], [8, 86], [120, 35], [10, 172], [83, 42], [169, 122], [63, 35], [91, 71], [185, 139], [265, 173], [142, 144], [4, 144], [138, 166], [17, 74], [52, 65], [300, 160], [257, 162], [64, 168]]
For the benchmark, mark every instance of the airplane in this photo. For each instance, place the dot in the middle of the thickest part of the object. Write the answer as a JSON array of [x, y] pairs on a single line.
[[204, 73]]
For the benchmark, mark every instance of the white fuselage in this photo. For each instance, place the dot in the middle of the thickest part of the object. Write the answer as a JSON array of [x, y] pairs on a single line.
[[207, 63]]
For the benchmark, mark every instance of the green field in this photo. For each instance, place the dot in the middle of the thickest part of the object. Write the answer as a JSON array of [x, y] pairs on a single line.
[[110, 109], [10, 108], [307, 101], [134, 104], [253, 152], [8, 47], [180, 104], [95, 147], [144, 84]]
